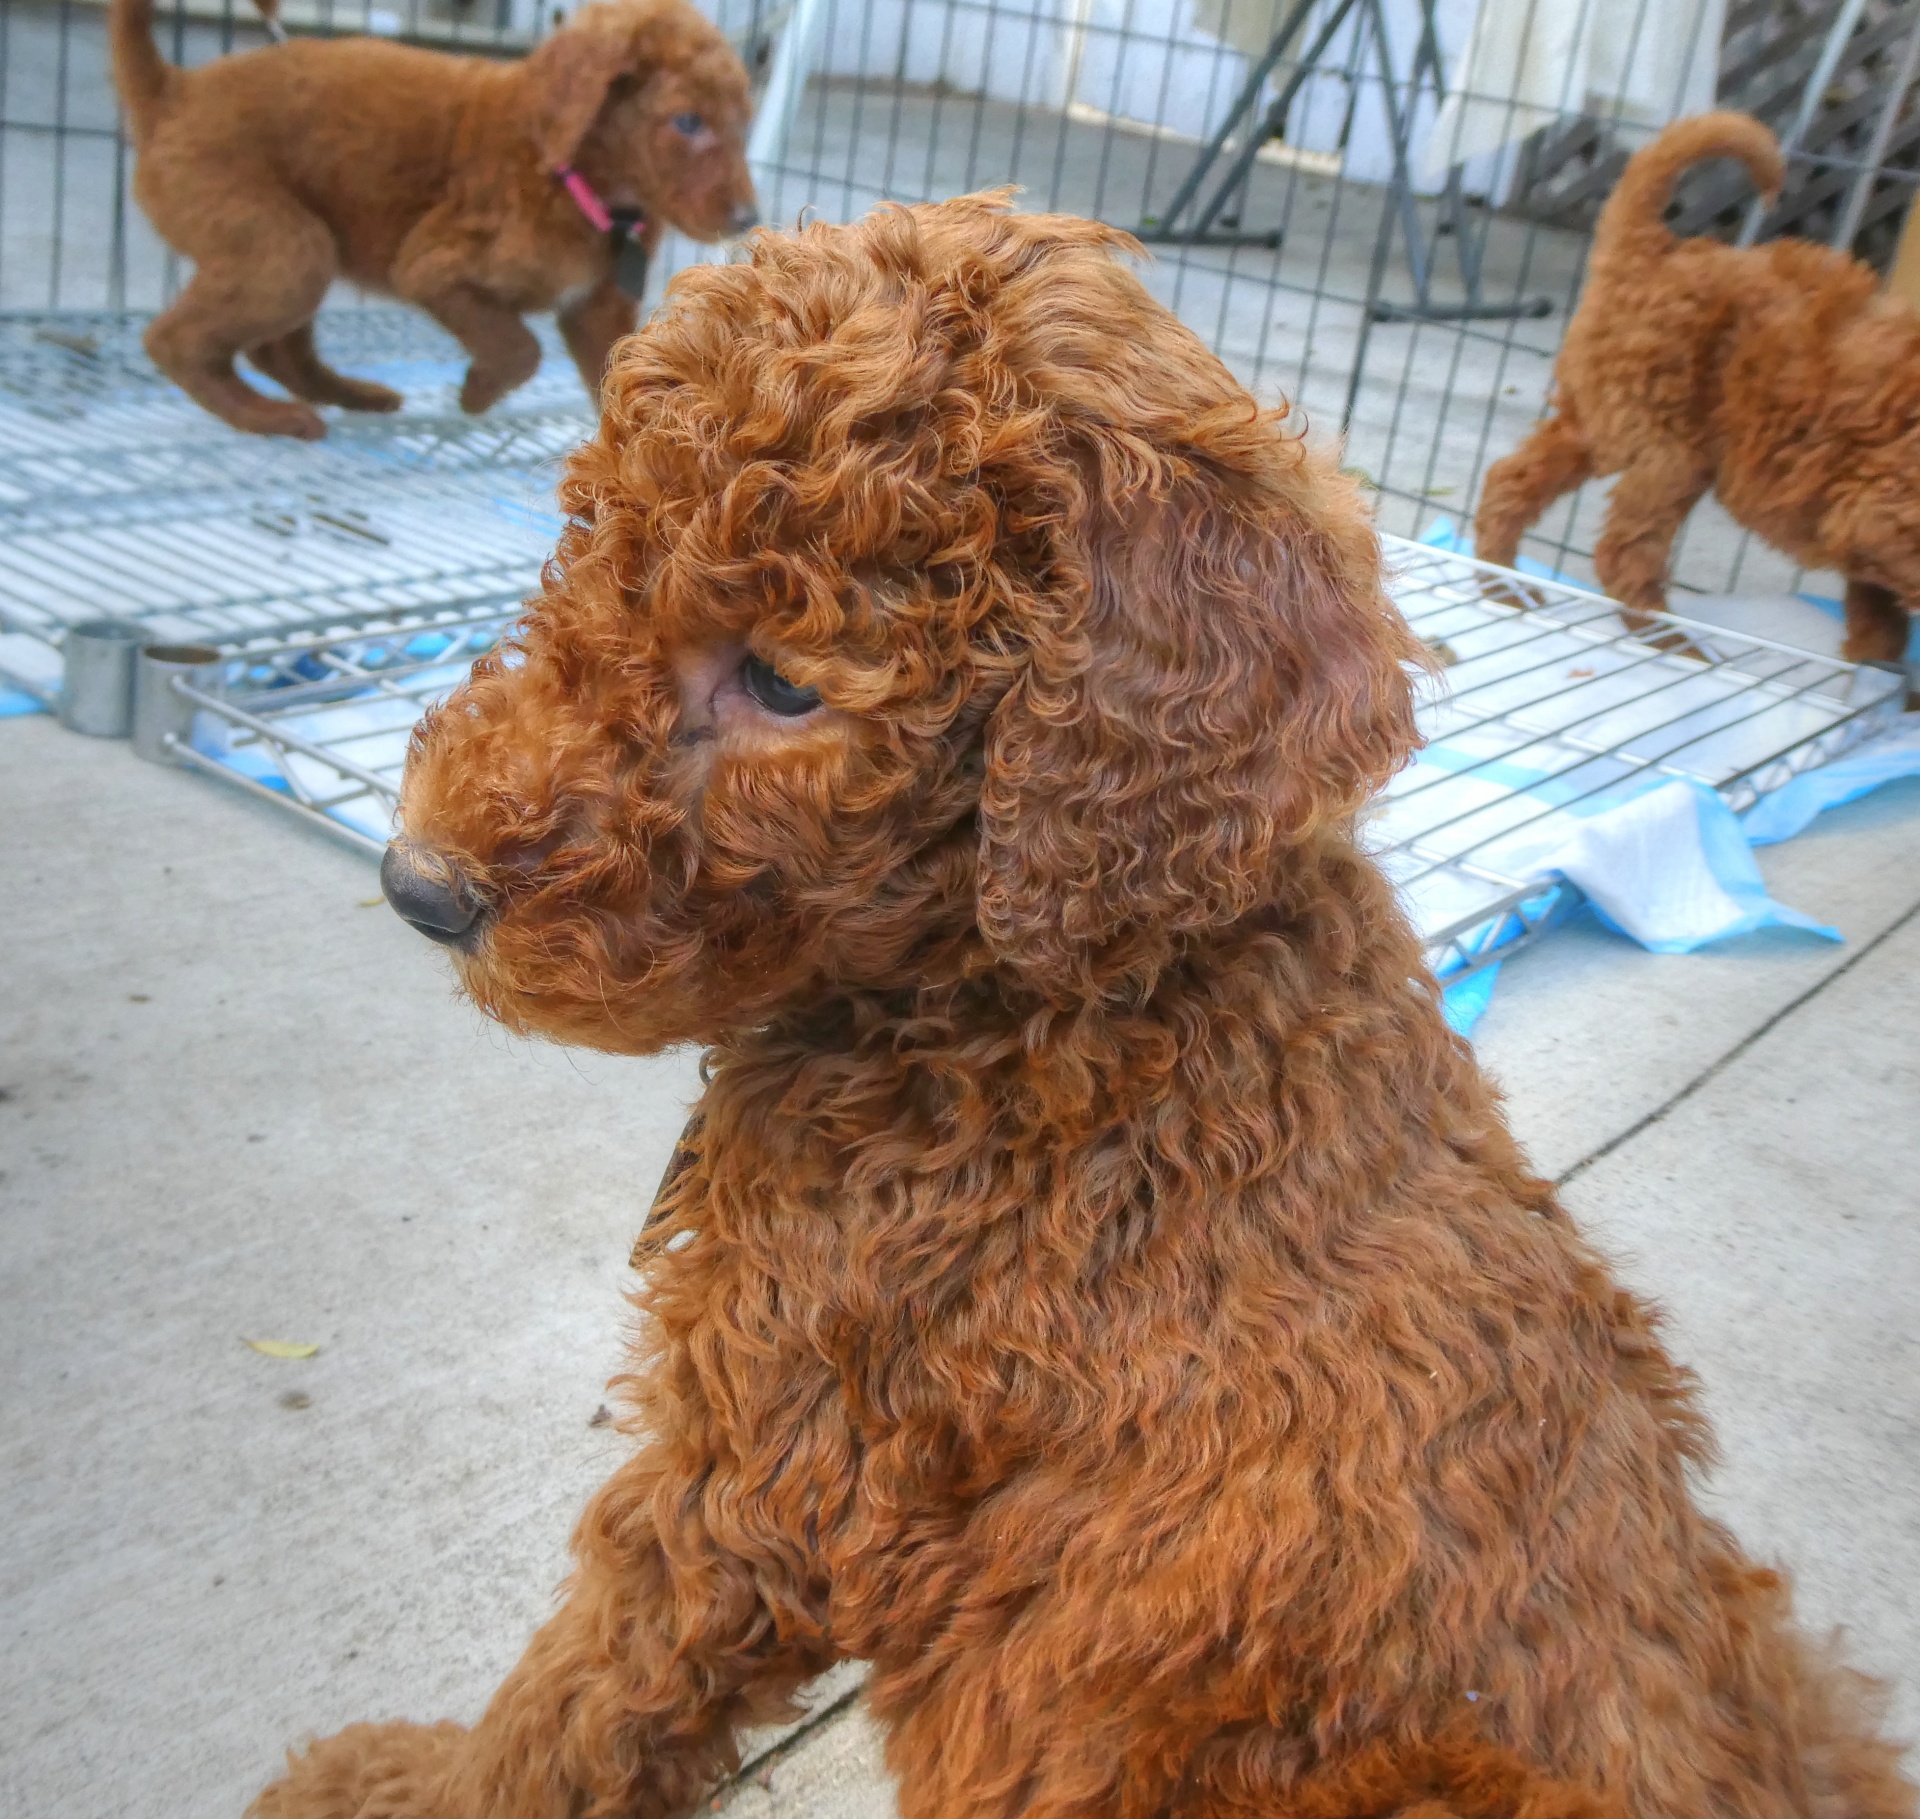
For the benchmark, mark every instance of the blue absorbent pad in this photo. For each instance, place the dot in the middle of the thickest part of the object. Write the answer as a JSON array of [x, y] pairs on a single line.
[[1466, 1003], [1788, 809], [1671, 867]]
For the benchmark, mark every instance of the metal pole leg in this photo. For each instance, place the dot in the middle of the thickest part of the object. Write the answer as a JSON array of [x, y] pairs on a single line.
[[792, 64]]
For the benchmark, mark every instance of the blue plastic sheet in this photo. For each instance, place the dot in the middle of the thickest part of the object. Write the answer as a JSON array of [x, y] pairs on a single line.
[[1465, 1004], [1788, 809]]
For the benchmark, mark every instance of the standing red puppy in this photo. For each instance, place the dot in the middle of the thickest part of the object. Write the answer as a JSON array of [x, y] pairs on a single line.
[[1099, 1291], [1779, 378]]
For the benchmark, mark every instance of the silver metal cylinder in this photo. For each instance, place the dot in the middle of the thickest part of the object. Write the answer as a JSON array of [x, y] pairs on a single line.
[[160, 711], [96, 682]]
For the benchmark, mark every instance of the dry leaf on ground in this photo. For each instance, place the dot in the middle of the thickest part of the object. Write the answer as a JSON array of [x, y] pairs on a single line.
[[282, 1348]]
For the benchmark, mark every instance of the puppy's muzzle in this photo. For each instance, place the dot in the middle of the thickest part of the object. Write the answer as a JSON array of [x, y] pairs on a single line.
[[429, 893]]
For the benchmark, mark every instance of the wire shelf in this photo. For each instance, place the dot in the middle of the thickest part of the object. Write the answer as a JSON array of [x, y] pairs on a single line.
[[119, 496]]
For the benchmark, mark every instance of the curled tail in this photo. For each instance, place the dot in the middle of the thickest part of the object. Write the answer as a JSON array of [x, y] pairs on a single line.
[[1630, 225], [140, 73]]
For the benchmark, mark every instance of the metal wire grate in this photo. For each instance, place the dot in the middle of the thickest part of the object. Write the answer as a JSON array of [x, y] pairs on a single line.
[[320, 726], [1547, 708], [119, 496]]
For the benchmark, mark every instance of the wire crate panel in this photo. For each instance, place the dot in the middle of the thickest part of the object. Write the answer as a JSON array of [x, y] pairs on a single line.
[[1546, 708], [320, 726]]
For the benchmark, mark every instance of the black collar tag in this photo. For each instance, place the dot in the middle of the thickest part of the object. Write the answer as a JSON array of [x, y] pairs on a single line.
[[630, 258]]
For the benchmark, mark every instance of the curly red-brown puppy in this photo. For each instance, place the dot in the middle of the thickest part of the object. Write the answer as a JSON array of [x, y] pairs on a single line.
[[1777, 377], [1097, 1289], [433, 178]]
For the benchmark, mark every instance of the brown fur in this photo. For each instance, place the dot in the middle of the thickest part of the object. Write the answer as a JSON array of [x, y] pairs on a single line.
[[1097, 1289], [1777, 377], [421, 176]]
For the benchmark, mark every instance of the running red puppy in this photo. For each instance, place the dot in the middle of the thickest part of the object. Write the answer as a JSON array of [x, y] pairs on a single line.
[[480, 191]]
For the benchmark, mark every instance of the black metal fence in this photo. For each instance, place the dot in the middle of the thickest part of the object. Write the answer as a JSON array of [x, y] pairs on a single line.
[[1377, 210]]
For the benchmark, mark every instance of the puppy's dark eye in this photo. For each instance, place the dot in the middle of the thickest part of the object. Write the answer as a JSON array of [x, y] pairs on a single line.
[[774, 692], [687, 125]]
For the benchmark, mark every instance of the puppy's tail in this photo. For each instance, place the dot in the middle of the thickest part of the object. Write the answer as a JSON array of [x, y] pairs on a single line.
[[1630, 226], [140, 73]]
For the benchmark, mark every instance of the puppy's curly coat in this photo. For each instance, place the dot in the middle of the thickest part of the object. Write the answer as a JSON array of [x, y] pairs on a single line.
[[426, 177], [1777, 377], [1097, 1289]]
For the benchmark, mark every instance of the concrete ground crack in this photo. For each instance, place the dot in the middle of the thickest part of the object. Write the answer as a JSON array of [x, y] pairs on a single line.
[[775, 1753], [1712, 1072]]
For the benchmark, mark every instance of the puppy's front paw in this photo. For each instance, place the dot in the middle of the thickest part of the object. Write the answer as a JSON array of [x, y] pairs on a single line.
[[367, 1771], [269, 417]]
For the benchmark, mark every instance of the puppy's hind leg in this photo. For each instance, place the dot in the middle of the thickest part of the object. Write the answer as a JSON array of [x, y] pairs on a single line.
[[260, 274], [1877, 624], [1644, 516], [294, 362], [1519, 487]]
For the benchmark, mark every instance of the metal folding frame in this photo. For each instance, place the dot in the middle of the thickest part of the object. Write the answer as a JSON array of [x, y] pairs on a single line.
[[1229, 193]]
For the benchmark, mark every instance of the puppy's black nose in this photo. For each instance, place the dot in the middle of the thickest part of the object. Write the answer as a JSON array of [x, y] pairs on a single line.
[[428, 893], [744, 216]]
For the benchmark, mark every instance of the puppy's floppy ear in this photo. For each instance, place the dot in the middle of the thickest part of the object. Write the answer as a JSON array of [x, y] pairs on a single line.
[[570, 75], [1227, 681]]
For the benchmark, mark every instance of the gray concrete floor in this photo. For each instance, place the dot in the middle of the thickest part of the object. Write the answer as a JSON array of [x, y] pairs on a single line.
[[241, 1101]]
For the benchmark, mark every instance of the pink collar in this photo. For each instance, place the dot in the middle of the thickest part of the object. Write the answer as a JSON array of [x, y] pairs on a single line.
[[587, 199]]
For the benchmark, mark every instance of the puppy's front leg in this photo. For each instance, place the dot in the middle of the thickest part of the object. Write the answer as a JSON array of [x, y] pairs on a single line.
[[1649, 504], [627, 1702], [436, 269], [592, 324]]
